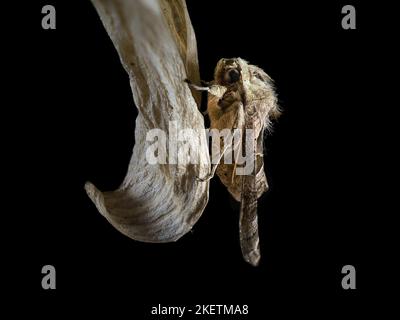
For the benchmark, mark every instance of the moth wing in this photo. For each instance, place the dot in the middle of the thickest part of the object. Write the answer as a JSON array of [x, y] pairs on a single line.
[[261, 100]]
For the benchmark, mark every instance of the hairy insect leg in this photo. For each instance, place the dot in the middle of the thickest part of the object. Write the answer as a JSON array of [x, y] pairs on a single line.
[[196, 87], [206, 83], [210, 175], [214, 168]]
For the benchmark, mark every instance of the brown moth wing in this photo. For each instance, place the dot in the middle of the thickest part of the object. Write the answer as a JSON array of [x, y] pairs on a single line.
[[257, 87], [258, 105], [231, 117], [225, 172], [247, 188], [248, 222]]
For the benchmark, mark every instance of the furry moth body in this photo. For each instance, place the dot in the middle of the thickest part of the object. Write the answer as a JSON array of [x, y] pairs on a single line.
[[242, 96]]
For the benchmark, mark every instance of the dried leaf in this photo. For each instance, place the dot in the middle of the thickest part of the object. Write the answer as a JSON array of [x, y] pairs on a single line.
[[157, 48]]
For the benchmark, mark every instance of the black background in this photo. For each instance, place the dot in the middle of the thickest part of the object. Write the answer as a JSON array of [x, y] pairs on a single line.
[[75, 114]]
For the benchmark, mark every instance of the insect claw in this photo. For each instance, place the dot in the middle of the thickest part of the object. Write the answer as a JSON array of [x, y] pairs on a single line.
[[206, 178]]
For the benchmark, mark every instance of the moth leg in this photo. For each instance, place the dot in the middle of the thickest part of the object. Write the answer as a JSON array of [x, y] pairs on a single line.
[[228, 100], [237, 156], [214, 168], [206, 83], [209, 176], [196, 87]]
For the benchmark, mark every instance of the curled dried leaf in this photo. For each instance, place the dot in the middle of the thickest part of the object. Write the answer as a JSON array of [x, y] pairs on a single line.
[[157, 47]]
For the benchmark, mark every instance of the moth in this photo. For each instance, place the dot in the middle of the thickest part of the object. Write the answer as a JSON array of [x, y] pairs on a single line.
[[242, 98]]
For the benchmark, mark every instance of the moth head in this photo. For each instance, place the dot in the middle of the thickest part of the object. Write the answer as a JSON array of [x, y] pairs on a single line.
[[228, 71]]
